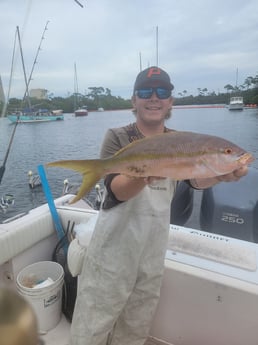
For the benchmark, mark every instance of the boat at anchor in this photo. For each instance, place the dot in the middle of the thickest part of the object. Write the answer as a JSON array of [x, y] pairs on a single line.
[[34, 116], [236, 103]]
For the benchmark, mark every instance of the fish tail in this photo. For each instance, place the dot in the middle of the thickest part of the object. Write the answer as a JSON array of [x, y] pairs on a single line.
[[92, 170]]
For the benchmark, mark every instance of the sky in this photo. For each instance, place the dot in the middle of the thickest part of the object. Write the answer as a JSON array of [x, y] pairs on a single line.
[[201, 43]]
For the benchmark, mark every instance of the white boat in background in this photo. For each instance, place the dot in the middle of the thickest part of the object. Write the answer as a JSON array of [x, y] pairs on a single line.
[[236, 103], [57, 112], [209, 294]]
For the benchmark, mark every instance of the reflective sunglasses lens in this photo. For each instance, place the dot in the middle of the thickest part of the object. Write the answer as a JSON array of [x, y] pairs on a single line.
[[144, 93], [162, 93], [147, 93]]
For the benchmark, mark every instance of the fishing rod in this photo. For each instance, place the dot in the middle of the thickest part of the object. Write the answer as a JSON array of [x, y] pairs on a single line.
[[77, 2], [35, 60], [2, 168]]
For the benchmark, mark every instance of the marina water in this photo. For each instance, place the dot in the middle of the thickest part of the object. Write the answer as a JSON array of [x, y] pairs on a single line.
[[81, 138]]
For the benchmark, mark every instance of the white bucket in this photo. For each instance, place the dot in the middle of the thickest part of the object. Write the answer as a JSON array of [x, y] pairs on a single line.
[[46, 301]]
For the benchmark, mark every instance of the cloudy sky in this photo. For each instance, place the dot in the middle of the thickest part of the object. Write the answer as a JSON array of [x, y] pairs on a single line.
[[201, 43]]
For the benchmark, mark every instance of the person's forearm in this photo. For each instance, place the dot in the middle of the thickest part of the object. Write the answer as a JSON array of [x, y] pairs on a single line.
[[203, 183], [125, 187]]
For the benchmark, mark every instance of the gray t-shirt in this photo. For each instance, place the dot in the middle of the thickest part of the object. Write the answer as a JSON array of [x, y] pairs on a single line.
[[115, 139]]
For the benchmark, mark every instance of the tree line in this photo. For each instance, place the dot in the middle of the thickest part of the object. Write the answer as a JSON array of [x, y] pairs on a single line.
[[248, 90], [100, 97]]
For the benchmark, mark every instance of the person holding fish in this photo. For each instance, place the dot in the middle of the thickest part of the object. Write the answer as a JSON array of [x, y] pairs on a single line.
[[122, 271]]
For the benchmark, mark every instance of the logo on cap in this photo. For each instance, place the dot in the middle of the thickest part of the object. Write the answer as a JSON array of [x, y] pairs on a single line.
[[153, 70]]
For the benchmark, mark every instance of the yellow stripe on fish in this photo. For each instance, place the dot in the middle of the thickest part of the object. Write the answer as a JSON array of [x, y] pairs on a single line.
[[176, 155]]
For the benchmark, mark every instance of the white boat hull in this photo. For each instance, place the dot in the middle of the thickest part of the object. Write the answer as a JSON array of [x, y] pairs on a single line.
[[35, 118], [209, 293], [81, 112], [236, 103]]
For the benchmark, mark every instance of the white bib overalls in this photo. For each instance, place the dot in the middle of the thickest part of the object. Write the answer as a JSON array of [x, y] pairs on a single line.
[[122, 270]]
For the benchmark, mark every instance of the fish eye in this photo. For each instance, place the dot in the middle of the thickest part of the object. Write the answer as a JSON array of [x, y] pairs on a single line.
[[228, 150]]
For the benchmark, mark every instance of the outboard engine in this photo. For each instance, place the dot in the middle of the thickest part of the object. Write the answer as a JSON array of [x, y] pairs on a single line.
[[231, 208], [182, 204]]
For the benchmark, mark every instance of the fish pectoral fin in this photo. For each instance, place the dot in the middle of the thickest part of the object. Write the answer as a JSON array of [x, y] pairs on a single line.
[[215, 172]]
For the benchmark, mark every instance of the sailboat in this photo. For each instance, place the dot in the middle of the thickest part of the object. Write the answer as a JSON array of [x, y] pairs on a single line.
[[81, 111], [32, 113]]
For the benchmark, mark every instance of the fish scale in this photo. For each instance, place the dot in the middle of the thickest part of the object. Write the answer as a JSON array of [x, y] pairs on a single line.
[[176, 155]]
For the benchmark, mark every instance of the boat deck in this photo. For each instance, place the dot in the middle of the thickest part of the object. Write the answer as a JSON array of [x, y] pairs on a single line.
[[60, 335], [209, 286]]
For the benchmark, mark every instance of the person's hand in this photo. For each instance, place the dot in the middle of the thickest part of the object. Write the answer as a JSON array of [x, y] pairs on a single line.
[[234, 176], [204, 183]]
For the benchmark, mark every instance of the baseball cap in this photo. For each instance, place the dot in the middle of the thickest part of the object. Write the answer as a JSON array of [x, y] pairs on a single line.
[[153, 76]]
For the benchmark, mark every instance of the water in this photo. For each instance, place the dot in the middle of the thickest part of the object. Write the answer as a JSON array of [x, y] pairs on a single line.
[[81, 137]]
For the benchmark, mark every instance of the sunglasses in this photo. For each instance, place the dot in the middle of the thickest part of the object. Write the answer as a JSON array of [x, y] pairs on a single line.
[[161, 93]]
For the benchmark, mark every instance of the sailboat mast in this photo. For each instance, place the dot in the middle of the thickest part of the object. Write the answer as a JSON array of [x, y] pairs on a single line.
[[140, 57], [237, 77], [157, 46], [23, 67], [75, 80], [75, 87]]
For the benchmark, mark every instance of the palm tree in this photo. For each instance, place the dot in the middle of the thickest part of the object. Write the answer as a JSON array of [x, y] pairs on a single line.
[[229, 88]]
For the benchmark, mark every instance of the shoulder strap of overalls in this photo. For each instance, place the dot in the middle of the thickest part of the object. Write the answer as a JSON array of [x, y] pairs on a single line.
[[134, 133]]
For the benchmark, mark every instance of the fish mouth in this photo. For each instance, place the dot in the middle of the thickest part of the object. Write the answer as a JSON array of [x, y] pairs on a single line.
[[246, 158]]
